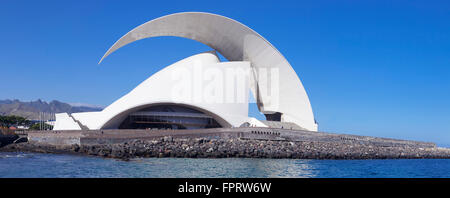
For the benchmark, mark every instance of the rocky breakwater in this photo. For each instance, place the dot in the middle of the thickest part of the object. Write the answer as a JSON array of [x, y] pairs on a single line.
[[236, 147]]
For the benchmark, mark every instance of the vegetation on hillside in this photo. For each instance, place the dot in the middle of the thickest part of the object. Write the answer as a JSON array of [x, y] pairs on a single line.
[[12, 120], [38, 126], [7, 121]]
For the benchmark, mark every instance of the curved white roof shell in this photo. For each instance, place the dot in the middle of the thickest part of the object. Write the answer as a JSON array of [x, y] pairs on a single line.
[[155, 91], [237, 42]]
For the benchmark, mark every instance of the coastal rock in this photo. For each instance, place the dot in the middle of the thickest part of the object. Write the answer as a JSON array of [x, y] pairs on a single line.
[[236, 147], [7, 139]]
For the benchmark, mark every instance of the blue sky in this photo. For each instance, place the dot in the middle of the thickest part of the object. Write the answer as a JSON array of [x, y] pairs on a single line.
[[379, 68]]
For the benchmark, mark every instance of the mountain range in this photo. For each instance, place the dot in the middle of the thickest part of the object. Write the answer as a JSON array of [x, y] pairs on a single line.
[[32, 110]]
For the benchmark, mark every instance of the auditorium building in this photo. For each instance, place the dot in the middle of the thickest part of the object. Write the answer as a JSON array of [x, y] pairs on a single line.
[[201, 91]]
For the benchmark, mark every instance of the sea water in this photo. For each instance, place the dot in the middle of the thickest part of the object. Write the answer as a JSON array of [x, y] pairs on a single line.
[[18, 164]]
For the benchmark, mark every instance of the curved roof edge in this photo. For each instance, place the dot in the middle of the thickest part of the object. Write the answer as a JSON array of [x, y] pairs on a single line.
[[111, 49]]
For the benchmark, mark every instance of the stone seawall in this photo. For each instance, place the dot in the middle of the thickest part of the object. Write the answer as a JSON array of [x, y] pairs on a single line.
[[299, 135], [56, 137], [88, 137], [219, 143], [235, 147]]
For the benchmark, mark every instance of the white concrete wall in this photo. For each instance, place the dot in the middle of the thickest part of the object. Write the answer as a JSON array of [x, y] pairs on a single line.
[[65, 122]]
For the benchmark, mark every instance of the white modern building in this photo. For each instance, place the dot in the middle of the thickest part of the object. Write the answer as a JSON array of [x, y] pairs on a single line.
[[201, 91]]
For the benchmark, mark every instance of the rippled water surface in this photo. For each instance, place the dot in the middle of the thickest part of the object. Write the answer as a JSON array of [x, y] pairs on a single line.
[[16, 164]]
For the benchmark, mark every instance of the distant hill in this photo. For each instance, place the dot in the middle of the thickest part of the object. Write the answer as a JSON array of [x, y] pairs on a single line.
[[31, 110]]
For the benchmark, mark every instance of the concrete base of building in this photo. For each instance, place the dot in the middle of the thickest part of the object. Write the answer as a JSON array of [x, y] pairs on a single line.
[[93, 137]]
